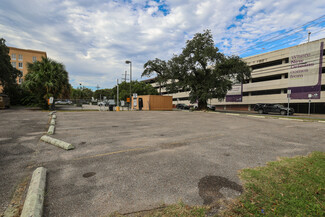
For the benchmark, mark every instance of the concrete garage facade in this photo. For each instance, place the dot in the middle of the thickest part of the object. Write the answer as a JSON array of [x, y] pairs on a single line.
[[298, 68]]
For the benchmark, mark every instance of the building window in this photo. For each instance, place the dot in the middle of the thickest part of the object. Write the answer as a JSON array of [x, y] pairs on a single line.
[[13, 56], [20, 65], [34, 59], [20, 57], [13, 64]]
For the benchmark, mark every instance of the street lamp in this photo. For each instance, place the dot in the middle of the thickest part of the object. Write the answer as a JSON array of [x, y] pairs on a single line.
[[80, 90], [129, 62]]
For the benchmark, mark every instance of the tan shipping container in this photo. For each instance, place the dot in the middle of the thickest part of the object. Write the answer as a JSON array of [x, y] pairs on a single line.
[[154, 103]]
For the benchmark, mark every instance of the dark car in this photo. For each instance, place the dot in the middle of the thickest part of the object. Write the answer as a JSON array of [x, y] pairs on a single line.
[[182, 106], [273, 108], [211, 107]]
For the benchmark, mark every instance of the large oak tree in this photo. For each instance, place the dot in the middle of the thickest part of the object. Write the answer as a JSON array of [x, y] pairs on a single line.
[[200, 69]]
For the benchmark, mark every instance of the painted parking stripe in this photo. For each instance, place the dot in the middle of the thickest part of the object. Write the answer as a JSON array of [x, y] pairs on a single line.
[[232, 114], [291, 119], [255, 116], [111, 153]]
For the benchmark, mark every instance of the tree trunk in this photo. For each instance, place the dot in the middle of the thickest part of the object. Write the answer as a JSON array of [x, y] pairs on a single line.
[[202, 105], [159, 88]]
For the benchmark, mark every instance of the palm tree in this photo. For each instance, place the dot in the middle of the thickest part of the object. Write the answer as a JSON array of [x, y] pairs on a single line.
[[47, 78]]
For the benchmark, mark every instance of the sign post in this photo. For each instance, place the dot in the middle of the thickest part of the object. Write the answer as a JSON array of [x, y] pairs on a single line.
[[117, 99], [309, 97], [288, 95]]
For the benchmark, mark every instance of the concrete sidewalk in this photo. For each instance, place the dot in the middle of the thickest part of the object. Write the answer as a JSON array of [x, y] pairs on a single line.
[[301, 115]]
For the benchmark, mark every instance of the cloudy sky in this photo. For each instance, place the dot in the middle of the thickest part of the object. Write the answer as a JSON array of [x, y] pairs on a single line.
[[93, 38]]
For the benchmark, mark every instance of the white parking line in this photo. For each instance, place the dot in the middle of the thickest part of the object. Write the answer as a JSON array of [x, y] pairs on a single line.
[[291, 119], [255, 116], [232, 114]]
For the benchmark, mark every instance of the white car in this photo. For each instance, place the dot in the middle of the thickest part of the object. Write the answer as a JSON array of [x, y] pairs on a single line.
[[102, 103], [63, 102]]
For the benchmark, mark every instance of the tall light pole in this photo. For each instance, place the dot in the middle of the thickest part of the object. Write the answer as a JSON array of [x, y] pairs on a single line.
[[129, 62], [117, 99], [80, 90]]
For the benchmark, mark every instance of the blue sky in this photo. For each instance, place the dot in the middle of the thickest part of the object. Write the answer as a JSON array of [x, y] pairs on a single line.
[[94, 38]]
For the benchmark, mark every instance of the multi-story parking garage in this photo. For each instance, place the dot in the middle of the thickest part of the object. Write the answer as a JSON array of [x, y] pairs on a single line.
[[296, 70]]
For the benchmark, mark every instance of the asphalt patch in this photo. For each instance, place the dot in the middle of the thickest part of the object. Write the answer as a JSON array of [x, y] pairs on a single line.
[[210, 186], [90, 174]]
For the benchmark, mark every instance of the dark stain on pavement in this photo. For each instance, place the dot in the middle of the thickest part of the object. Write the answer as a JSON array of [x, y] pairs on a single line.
[[172, 145], [210, 186], [82, 143], [114, 126], [90, 174]]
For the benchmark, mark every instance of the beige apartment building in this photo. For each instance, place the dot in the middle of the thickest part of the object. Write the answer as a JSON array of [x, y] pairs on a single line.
[[298, 71], [20, 57]]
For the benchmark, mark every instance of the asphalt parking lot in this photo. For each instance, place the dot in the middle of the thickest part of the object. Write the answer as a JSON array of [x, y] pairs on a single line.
[[132, 161]]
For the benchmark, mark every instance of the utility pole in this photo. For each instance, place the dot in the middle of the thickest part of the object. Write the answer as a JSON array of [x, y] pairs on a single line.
[[117, 99], [130, 62], [309, 35], [125, 76]]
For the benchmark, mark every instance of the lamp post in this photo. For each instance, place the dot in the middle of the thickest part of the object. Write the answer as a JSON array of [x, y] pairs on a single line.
[[80, 91], [129, 62]]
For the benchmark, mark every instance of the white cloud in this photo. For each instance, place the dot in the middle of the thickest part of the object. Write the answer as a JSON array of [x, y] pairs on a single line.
[[94, 38]]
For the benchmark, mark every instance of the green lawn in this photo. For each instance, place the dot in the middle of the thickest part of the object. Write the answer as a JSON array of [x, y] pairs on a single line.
[[289, 187]]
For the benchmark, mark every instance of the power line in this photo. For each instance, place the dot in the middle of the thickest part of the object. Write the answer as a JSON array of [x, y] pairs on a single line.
[[284, 34], [265, 41], [285, 42]]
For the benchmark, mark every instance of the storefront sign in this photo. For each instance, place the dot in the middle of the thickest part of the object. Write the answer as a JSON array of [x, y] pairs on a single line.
[[235, 94], [305, 73]]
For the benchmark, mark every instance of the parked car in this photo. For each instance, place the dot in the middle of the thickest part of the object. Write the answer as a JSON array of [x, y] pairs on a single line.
[[104, 103], [182, 106], [211, 107], [63, 102], [272, 108]]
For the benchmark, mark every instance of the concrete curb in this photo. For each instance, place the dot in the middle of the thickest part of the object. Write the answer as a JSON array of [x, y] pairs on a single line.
[[52, 122], [51, 130], [58, 143], [33, 205], [321, 121], [51, 113]]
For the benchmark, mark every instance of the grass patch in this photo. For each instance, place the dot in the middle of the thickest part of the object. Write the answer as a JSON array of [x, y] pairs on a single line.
[[289, 187]]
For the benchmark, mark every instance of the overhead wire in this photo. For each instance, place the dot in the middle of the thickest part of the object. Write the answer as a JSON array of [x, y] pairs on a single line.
[[277, 45], [283, 35]]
